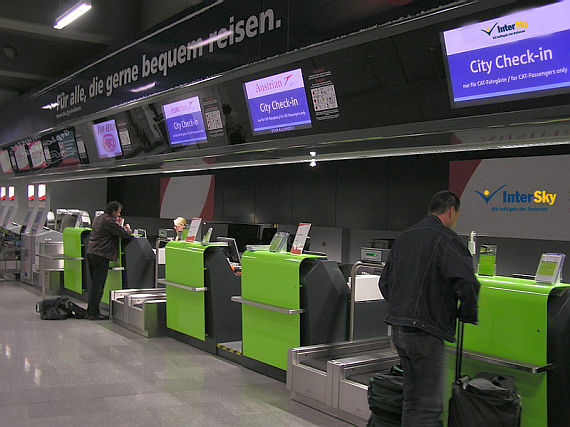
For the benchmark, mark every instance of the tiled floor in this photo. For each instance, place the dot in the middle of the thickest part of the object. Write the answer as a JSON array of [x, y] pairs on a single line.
[[82, 373]]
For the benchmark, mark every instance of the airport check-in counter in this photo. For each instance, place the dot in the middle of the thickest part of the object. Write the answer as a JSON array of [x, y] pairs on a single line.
[[524, 332], [287, 301], [199, 283], [140, 310], [76, 279]]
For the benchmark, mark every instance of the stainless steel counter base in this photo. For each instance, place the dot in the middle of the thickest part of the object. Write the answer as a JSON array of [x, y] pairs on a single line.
[[140, 310], [327, 387]]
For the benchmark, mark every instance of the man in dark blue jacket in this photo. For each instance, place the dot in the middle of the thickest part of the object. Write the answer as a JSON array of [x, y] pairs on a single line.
[[428, 271], [103, 247]]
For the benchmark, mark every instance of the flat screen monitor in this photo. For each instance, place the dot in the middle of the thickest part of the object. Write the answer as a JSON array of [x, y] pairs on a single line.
[[60, 148], [21, 156], [5, 162], [37, 156], [184, 122], [517, 56], [278, 103], [233, 253], [107, 139]]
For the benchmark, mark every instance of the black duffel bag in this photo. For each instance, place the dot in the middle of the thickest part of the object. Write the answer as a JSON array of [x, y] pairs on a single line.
[[385, 398], [59, 308]]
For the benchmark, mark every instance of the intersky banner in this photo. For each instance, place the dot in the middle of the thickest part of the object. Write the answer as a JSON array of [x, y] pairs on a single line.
[[516, 56], [527, 197], [184, 122], [278, 103]]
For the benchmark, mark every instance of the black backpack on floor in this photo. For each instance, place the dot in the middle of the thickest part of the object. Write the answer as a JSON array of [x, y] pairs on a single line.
[[59, 308]]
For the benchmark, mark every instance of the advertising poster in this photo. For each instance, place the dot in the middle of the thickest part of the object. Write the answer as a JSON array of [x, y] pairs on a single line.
[[300, 238], [184, 122], [193, 229], [521, 197], [21, 157], [278, 103], [37, 154], [5, 163], [514, 56]]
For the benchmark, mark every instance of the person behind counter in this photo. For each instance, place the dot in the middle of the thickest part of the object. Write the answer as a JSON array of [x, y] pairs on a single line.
[[103, 247], [428, 270], [179, 224]]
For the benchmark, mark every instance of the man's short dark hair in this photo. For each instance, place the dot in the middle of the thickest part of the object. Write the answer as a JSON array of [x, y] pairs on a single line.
[[442, 201], [113, 206]]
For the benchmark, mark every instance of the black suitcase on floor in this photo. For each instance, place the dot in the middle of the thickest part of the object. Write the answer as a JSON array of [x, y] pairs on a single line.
[[487, 400], [385, 397]]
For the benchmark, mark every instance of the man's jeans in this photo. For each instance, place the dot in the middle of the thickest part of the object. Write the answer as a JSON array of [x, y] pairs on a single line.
[[422, 357]]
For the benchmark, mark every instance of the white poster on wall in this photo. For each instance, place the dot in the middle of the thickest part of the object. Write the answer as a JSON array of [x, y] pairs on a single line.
[[187, 196], [524, 197]]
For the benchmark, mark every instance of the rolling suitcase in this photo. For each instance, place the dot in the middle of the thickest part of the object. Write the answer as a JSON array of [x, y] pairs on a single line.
[[486, 400]]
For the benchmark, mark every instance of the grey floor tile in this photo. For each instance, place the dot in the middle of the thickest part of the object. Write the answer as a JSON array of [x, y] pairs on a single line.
[[81, 374]]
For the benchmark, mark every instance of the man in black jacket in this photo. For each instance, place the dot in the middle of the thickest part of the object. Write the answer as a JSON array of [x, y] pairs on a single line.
[[428, 271], [103, 247]]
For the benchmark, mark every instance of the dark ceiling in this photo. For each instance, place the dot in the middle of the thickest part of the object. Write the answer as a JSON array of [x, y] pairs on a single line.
[[34, 54]]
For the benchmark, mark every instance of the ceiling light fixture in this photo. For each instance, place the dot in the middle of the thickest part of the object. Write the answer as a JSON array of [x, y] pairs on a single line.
[[72, 14]]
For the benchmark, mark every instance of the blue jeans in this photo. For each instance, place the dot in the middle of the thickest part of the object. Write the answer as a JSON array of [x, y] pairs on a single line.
[[422, 358]]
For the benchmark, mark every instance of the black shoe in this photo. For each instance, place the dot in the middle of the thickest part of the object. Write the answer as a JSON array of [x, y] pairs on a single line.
[[98, 317]]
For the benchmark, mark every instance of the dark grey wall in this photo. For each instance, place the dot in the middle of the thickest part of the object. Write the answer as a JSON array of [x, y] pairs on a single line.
[[377, 194]]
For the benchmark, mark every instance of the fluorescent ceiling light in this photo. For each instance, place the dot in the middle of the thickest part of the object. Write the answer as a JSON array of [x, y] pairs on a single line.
[[72, 14]]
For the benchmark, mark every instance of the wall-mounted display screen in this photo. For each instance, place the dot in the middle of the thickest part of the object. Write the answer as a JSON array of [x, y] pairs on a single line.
[[60, 148], [278, 103], [37, 154], [5, 162], [21, 156], [521, 55], [184, 122], [107, 139]]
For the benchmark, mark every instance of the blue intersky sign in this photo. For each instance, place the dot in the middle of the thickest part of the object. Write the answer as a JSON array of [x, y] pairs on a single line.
[[515, 56]]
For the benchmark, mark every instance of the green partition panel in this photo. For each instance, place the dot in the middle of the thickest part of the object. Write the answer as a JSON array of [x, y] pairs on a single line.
[[512, 325], [114, 277], [185, 309], [273, 279], [72, 269]]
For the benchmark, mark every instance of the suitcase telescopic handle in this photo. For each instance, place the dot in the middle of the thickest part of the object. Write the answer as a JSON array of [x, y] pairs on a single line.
[[459, 350]]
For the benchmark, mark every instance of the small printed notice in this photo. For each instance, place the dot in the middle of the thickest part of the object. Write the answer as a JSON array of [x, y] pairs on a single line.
[[300, 238], [323, 95], [550, 268], [213, 116], [193, 230]]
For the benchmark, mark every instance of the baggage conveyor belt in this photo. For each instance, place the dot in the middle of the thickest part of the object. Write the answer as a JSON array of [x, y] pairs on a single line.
[[334, 377]]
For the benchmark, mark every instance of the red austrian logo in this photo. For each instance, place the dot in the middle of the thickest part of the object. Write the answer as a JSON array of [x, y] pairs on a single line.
[[274, 84]]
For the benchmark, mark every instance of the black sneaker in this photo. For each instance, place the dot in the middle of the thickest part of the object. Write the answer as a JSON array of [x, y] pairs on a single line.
[[98, 317]]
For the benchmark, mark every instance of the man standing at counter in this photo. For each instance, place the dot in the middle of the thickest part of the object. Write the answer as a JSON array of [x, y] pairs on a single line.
[[428, 270], [103, 247]]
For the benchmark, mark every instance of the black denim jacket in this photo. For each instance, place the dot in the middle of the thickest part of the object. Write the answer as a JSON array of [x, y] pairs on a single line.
[[428, 270], [104, 237]]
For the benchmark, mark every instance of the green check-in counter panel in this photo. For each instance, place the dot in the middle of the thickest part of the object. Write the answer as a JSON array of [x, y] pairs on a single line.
[[185, 293], [199, 285], [271, 311], [524, 323], [75, 267], [74, 264]]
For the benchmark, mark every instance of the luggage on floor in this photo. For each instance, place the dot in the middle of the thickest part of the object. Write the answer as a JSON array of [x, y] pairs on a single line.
[[59, 308], [385, 396], [488, 400]]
